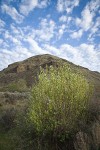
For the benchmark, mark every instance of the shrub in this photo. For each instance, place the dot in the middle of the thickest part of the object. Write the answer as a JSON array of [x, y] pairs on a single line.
[[19, 86], [59, 99], [7, 119]]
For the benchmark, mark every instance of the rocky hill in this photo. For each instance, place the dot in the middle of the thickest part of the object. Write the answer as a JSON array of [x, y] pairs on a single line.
[[18, 78], [28, 69]]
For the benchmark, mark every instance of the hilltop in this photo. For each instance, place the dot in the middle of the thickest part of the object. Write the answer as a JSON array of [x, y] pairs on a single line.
[[29, 68]]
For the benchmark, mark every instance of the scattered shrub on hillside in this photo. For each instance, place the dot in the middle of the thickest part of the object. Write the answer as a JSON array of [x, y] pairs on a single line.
[[7, 119], [19, 86], [59, 99]]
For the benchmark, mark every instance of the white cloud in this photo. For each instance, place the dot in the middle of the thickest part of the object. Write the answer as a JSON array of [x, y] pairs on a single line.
[[52, 50], [94, 5], [27, 6], [43, 3], [67, 5], [16, 32], [1, 41], [13, 13], [95, 30], [61, 31], [16, 41], [2, 23], [11, 39], [7, 34], [60, 6], [34, 47], [77, 34], [86, 55], [70, 53], [88, 14], [14, 29], [63, 18], [91, 56], [8, 56], [46, 30], [87, 19], [19, 52]]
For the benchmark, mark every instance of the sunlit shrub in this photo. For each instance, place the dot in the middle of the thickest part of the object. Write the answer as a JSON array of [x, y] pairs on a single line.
[[58, 100]]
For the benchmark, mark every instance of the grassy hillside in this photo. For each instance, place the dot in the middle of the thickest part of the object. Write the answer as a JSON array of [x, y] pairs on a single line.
[[16, 83]]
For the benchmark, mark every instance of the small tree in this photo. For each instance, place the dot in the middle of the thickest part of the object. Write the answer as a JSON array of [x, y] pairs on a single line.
[[58, 100]]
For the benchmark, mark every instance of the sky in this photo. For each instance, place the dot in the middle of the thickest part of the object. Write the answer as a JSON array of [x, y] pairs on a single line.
[[69, 29]]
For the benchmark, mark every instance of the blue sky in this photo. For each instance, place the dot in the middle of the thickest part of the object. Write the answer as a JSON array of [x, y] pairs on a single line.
[[68, 29]]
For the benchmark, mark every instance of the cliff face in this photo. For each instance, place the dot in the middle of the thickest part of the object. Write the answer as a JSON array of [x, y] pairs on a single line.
[[88, 138]]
